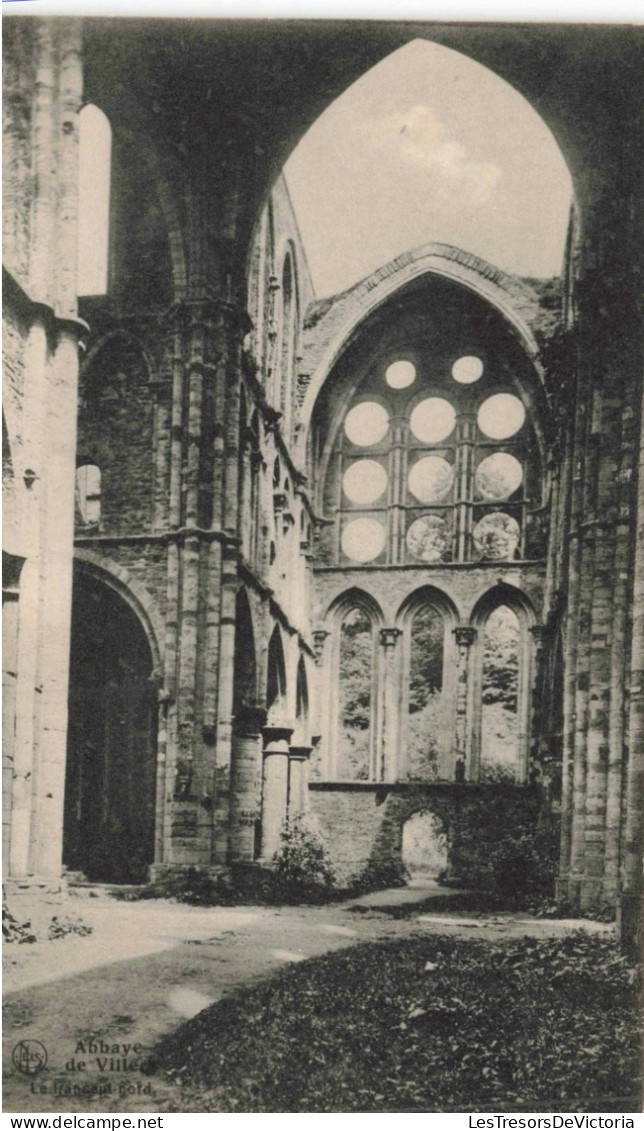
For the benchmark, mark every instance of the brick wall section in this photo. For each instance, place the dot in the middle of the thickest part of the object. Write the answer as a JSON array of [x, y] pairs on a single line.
[[115, 432], [142, 567]]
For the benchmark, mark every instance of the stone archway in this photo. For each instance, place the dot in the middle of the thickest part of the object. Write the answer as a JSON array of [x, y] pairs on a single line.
[[424, 845], [111, 750]]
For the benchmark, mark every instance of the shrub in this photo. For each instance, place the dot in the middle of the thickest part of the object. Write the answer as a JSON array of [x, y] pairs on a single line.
[[303, 871], [187, 885], [375, 876]]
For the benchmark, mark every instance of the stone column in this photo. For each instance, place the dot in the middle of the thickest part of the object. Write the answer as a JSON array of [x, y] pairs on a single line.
[[387, 710], [630, 914], [538, 746], [274, 786], [465, 637], [463, 472], [245, 792], [11, 567], [298, 778]]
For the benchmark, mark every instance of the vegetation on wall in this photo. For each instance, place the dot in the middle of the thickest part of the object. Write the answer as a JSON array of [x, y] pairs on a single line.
[[425, 694], [500, 696], [505, 842], [355, 673]]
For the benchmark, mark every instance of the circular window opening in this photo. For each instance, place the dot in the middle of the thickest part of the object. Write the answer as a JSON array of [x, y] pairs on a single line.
[[431, 479], [400, 374], [496, 536], [364, 481], [498, 476], [501, 416], [467, 370], [428, 538], [432, 420], [367, 423], [363, 539]]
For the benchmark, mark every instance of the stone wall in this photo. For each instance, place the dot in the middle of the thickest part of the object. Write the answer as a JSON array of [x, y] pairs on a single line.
[[361, 825]]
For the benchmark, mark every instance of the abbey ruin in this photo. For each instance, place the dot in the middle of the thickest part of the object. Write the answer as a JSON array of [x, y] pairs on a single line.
[[366, 556]]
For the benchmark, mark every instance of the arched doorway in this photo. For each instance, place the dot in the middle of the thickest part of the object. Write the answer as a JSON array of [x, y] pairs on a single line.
[[111, 761], [424, 846]]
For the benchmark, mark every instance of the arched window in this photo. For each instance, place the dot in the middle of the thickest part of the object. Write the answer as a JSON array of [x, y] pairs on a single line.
[[425, 701], [244, 663], [88, 494], [301, 702], [435, 461], [287, 343], [95, 149], [355, 697], [500, 747], [276, 676]]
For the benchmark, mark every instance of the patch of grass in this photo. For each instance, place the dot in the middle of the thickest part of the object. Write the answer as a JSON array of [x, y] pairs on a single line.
[[433, 1024]]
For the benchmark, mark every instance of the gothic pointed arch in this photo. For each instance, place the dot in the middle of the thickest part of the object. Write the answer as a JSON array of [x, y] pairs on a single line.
[[245, 659], [426, 677], [111, 773], [276, 685], [502, 682]]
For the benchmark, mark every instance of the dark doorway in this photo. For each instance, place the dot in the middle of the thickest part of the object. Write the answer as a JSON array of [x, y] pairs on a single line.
[[111, 764]]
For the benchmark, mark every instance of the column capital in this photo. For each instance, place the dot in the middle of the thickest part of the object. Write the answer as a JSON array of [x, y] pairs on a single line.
[[465, 635], [300, 753], [319, 636], [276, 737], [389, 636], [540, 633]]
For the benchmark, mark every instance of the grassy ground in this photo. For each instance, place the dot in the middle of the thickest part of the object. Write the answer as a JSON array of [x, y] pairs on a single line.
[[432, 1024]]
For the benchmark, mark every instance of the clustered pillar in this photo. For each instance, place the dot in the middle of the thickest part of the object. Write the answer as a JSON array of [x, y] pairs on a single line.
[[465, 637], [275, 774], [299, 757], [245, 785]]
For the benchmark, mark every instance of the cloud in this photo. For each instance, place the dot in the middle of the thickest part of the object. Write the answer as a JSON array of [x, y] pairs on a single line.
[[421, 138]]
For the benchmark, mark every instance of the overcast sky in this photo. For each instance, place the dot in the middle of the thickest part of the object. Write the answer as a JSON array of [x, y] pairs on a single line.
[[428, 146]]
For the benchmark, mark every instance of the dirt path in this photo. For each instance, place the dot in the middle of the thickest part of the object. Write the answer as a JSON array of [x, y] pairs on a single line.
[[103, 1000]]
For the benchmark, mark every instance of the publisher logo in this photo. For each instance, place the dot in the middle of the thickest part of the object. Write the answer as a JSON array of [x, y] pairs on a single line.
[[29, 1057]]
